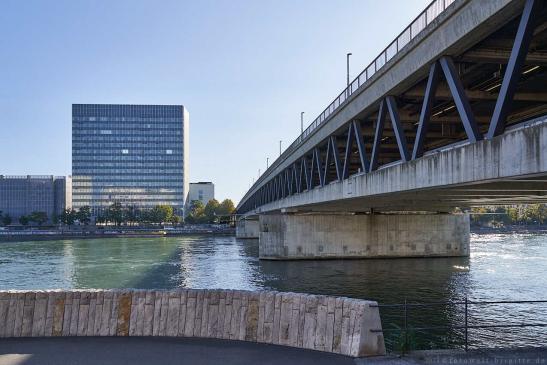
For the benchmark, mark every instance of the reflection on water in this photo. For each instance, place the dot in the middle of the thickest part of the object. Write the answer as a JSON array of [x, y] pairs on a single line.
[[501, 267]]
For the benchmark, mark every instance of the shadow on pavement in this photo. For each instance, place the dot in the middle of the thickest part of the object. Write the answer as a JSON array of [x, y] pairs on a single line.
[[155, 350]]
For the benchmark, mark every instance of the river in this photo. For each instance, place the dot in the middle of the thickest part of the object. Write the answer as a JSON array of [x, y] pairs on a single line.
[[501, 267]]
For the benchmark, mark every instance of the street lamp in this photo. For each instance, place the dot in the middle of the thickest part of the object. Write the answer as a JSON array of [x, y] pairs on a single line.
[[301, 122], [347, 68]]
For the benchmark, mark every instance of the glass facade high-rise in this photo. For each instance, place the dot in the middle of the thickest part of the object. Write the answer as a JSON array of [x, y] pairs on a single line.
[[136, 155]]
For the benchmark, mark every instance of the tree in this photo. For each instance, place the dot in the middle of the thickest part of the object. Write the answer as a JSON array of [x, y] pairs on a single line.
[[114, 213], [197, 213], [6, 220], [38, 217], [175, 219], [211, 210], [162, 213], [68, 216], [84, 215], [513, 215], [227, 207], [132, 214], [23, 220]]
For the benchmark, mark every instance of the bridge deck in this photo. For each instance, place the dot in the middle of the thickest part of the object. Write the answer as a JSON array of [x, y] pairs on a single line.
[[444, 87]]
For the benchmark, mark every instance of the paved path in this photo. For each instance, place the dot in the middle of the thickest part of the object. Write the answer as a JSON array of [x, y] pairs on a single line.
[[154, 350], [165, 351]]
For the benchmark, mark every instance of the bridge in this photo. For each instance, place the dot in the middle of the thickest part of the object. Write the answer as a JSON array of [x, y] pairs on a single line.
[[452, 114]]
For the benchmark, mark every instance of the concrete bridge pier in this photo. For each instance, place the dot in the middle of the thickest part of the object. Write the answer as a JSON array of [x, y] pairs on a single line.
[[324, 236], [247, 228]]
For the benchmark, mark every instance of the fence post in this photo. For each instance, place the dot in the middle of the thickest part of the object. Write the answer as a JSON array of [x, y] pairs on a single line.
[[466, 334], [405, 328]]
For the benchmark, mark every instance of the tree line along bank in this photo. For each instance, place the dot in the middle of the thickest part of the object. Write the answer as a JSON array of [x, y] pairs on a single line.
[[117, 214]]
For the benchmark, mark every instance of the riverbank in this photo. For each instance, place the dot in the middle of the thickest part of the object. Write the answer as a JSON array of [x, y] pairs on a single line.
[[56, 234], [509, 229], [129, 232]]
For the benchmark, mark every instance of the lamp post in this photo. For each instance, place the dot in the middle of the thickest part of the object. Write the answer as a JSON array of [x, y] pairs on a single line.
[[267, 162], [280, 147], [347, 69], [301, 122]]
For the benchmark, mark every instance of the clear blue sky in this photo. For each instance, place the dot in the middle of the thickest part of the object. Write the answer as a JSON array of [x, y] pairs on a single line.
[[244, 69]]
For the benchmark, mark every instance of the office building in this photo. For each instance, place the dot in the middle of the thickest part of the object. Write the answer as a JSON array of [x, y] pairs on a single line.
[[136, 155], [202, 191], [22, 195]]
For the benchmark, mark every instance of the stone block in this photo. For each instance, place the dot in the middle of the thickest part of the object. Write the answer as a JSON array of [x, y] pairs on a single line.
[[124, 313]]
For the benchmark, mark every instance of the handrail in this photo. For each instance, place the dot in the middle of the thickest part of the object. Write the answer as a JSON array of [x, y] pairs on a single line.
[[431, 12]]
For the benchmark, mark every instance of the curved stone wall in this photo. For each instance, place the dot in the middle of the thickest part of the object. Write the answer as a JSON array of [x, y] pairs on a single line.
[[332, 324]]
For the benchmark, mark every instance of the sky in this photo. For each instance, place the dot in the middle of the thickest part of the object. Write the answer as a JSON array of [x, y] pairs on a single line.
[[243, 69]]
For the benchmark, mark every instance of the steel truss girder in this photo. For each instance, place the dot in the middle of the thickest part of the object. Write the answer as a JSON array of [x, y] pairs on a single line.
[[380, 123], [388, 105], [512, 74], [427, 106], [355, 134], [332, 151], [397, 128], [460, 99], [307, 174], [288, 180], [318, 164]]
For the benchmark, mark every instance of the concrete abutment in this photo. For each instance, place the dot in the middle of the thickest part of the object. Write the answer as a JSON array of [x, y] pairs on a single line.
[[247, 228], [320, 236]]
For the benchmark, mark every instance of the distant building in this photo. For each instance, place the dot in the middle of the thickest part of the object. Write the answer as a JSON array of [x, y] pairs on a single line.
[[22, 195], [136, 155], [202, 191]]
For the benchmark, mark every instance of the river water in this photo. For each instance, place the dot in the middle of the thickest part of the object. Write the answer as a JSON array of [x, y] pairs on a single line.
[[501, 267]]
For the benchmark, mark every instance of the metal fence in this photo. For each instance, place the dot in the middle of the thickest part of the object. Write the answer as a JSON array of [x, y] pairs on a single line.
[[463, 324]]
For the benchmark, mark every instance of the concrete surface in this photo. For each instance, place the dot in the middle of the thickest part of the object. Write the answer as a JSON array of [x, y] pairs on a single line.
[[313, 236], [247, 228], [146, 350]]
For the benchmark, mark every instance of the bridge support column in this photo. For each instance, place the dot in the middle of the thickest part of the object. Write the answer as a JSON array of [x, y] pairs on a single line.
[[317, 236], [247, 228]]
